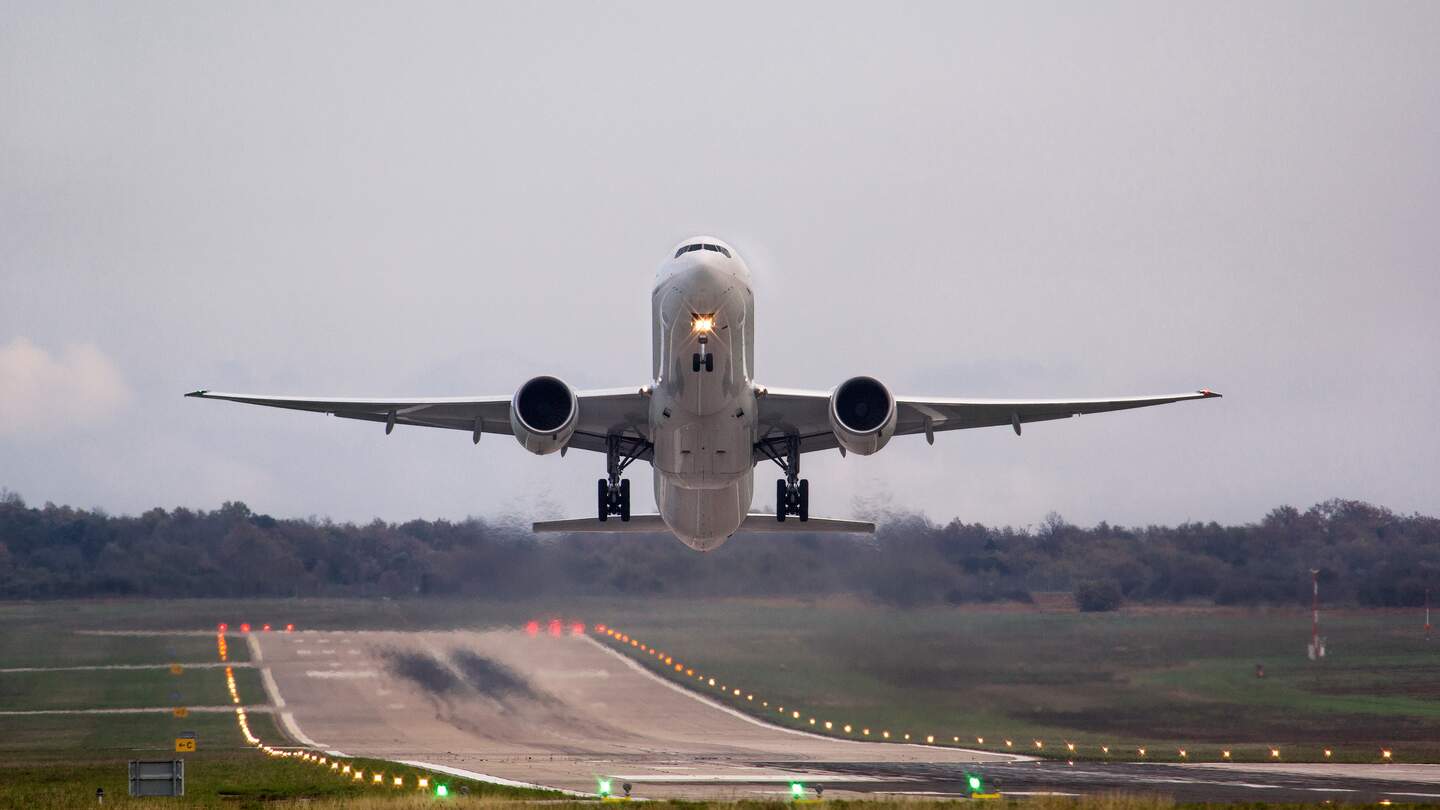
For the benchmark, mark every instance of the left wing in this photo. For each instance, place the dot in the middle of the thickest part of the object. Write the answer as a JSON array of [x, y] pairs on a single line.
[[621, 411], [806, 413]]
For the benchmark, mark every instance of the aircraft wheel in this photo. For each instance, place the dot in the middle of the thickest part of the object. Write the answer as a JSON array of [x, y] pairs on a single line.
[[804, 499], [625, 500], [709, 362], [604, 500], [695, 362], [781, 499]]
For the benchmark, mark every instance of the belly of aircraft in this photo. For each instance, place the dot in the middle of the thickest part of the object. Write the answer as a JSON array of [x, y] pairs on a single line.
[[703, 518], [703, 469]]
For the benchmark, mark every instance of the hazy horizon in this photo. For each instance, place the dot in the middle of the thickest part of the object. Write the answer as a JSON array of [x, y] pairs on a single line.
[[337, 199]]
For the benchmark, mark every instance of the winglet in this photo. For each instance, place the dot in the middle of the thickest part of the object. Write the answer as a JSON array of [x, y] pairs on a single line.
[[202, 392], [1208, 394]]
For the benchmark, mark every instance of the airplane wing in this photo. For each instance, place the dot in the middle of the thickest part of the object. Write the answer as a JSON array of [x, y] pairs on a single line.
[[623, 411], [806, 414]]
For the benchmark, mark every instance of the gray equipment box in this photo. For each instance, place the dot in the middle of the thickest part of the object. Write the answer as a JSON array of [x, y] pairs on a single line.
[[165, 778]]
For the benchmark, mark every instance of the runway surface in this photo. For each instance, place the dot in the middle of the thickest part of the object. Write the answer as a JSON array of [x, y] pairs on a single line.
[[562, 712]]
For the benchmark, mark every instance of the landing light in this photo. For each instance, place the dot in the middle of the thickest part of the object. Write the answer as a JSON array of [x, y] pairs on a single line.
[[704, 324]]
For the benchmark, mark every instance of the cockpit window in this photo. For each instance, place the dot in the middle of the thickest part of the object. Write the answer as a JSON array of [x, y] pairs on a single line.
[[716, 248]]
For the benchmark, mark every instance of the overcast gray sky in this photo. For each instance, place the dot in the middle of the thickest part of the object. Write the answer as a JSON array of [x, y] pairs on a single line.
[[958, 198]]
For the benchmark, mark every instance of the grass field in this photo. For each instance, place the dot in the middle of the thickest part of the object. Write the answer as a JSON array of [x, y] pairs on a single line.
[[124, 689], [58, 760], [1162, 678]]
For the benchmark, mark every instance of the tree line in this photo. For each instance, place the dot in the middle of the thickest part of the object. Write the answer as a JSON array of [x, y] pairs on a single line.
[[1366, 555]]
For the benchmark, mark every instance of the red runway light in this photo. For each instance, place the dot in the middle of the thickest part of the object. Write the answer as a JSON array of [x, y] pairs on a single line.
[[245, 628], [554, 627], [224, 627], [289, 628], [533, 628], [266, 628], [577, 629]]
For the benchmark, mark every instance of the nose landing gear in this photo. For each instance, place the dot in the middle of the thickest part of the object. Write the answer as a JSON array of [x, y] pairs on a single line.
[[702, 358]]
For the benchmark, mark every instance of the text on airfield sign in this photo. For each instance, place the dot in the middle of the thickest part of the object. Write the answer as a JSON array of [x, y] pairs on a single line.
[[185, 743]]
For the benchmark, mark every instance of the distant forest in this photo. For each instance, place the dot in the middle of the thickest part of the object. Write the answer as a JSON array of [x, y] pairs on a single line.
[[1366, 554]]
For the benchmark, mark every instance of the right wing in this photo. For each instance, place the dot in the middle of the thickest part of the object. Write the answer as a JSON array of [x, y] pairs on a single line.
[[621, 411], [807, 414]]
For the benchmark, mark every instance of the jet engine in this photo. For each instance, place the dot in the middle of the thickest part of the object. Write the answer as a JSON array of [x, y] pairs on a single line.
[[862, 414], [543, 414]]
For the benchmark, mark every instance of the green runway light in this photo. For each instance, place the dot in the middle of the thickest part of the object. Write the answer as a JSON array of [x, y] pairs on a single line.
[[442, 791], [974, 782], [797, 790], [604, 787]]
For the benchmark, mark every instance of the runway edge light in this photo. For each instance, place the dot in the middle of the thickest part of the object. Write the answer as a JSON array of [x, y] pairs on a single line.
[[442, 791]]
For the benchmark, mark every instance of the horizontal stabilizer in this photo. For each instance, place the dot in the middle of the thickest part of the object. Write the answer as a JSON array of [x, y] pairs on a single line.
[[645, 524]]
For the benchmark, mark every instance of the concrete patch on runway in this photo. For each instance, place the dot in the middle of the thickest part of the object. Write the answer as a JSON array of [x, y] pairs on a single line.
[[347, 674]]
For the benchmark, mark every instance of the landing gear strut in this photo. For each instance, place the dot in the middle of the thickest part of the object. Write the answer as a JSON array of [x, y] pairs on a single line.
[[703, 358], [613, 492], [792, 493]]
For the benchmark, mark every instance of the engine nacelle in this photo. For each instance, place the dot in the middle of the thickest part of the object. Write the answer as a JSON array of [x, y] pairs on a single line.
[[863, 415], [543, 415]]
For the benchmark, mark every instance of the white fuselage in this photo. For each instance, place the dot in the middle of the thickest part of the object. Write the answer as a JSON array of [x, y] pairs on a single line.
[[702, 423]]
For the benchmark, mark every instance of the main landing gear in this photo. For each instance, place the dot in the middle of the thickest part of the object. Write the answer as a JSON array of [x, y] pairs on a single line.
[[792, 493], [792, 498], [614, 498], [613, 492]]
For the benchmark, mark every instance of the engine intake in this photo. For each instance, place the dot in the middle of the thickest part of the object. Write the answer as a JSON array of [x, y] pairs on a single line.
[[543, 415], [862, 415]]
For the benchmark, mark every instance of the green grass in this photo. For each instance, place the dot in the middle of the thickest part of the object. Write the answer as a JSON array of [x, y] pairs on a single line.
[[230, 779], [1162, 678], [121, 737], [54, 761], [125, 689]]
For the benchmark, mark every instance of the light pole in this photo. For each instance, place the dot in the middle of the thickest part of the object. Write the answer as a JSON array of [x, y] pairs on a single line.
[[1316, 651]]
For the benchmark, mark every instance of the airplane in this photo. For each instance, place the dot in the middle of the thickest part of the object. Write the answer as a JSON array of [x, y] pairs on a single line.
[[702, 422]]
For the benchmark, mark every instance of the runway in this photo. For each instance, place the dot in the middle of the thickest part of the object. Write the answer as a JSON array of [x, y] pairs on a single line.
[[562, 712]]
